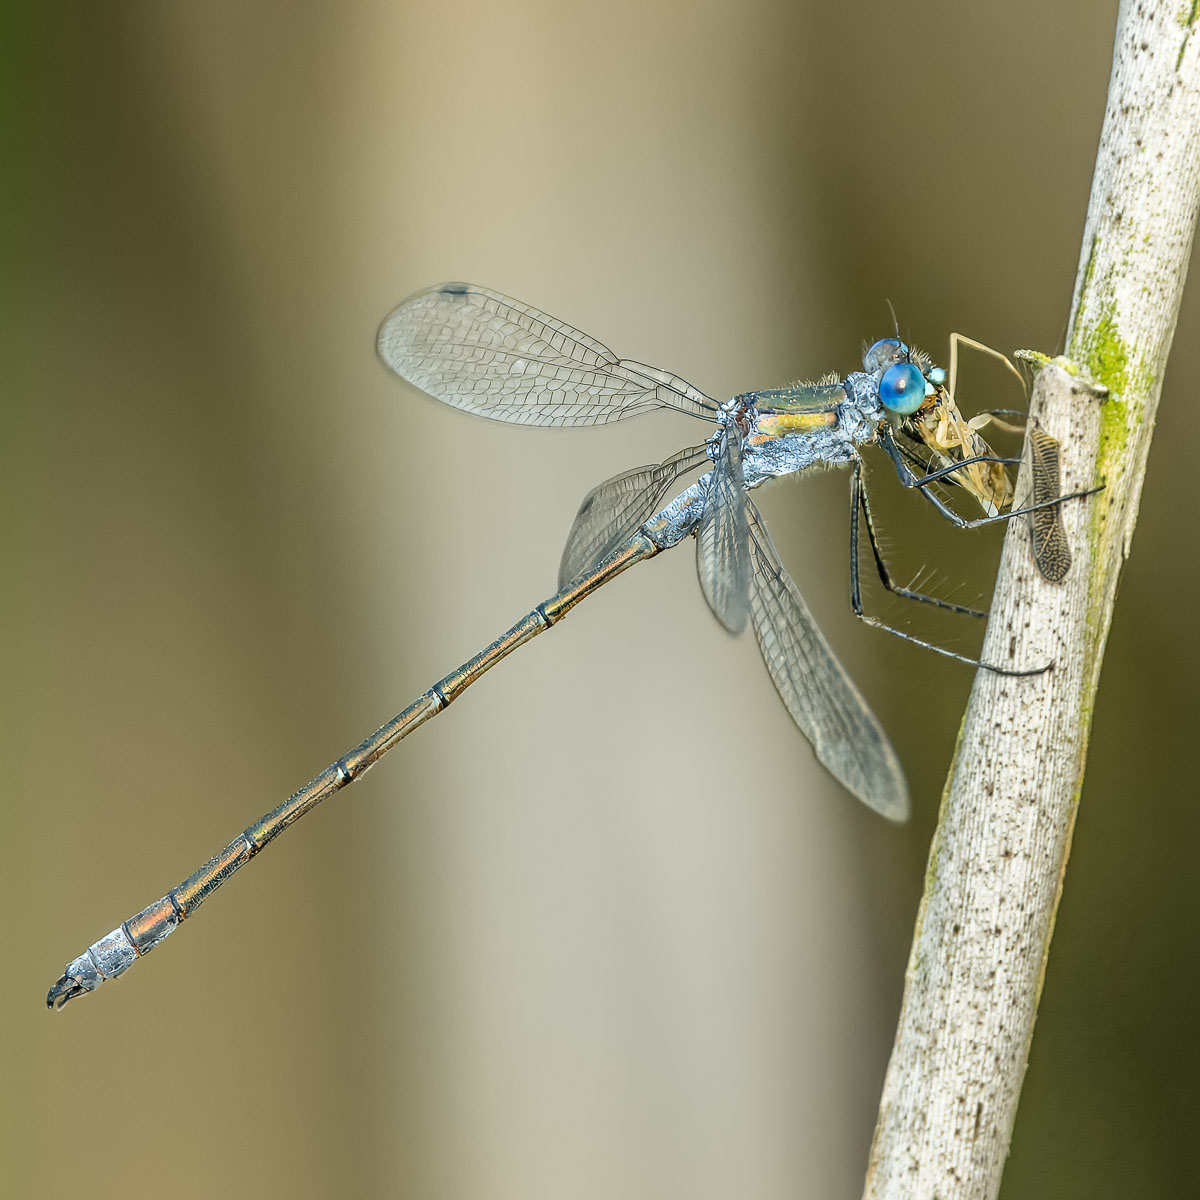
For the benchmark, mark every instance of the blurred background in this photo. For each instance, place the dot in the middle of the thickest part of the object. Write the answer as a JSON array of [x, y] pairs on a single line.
[[563, 943]]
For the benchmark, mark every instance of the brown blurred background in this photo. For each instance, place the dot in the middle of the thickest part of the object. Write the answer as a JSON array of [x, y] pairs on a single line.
[[605, 930]]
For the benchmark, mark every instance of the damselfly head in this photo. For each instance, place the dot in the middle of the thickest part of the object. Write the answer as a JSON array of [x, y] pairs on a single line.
[[906, 379]]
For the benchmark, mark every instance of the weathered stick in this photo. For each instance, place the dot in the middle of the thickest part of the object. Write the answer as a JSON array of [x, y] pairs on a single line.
[[1004, 832]]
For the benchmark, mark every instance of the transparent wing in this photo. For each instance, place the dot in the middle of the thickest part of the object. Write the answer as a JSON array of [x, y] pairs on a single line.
[[614, 510], [1051, 551], [722, 541], [483, 352], [815, 688]]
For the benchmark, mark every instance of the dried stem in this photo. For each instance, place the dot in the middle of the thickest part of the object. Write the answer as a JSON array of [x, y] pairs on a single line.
[[1004, 832]]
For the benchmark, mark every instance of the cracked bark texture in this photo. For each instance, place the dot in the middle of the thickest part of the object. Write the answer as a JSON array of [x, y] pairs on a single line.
[[1000, 850]]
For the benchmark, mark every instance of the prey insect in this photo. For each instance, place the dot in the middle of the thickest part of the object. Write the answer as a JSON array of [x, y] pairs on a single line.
[[1048, 538]]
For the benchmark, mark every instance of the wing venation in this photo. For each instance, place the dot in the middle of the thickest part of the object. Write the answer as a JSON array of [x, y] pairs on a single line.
[[614, 510], [723, 539], [488, 354], [815, 687]]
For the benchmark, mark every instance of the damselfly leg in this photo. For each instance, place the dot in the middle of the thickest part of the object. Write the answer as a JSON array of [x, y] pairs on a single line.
[[860, 508], [909, 479], [861, 505]]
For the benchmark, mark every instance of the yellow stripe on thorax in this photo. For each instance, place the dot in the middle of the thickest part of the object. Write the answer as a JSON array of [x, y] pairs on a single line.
[[777, 424]]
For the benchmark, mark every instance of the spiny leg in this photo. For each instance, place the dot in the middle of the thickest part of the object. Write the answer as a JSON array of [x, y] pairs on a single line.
[[857, 605], [859, 502], [924, 468], [909, 480], [979, 522]]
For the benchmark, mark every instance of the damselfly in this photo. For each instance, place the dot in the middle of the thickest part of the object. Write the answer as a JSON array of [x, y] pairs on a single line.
[[483, 352]]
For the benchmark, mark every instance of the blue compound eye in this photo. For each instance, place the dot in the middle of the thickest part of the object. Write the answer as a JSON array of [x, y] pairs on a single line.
[[885, 352], [902, 388]]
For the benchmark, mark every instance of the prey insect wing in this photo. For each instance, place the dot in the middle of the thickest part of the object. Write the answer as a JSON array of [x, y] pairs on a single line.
[[1051, 550]]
